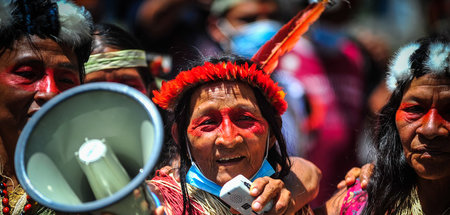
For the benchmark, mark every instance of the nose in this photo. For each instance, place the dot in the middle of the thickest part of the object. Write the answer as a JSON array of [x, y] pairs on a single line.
[[433, 125], [228, 135], [46, 89]]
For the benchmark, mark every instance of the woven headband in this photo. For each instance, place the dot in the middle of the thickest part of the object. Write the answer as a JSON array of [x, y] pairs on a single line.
[[118, 59]]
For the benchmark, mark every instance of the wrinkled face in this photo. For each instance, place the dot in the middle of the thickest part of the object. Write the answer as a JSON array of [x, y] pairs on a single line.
[[127, 76], [227, 132], [29, 77], [423, 124]]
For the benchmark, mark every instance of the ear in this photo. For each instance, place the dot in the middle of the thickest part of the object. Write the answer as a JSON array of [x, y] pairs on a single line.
[[272, 140], [174, 132]]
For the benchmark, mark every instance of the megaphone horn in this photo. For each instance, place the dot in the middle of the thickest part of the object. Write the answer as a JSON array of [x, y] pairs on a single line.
[[90, 149]]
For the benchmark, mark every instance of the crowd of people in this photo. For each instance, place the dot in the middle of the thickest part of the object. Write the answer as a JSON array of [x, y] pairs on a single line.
[[294, 130]]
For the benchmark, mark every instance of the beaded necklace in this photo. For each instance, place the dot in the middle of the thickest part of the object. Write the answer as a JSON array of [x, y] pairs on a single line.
[[23, 201]]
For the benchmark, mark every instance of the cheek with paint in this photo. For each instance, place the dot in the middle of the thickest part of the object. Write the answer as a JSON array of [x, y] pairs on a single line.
[[228, 123], [28, 79], [408, 112]]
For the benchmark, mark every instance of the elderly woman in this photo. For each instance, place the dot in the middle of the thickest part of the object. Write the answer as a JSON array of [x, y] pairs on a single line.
[[412, 171], [43, 46], [118, 57], [227, 121]]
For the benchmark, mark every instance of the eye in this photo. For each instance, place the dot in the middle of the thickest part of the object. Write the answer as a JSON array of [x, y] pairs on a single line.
[[248, 19], [414, 109], [67, 81], [66, 78], [208, 122], [26, 72], [245, 118]]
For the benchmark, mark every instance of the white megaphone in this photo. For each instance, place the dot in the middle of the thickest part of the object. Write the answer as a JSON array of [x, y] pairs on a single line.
[[90, 149]]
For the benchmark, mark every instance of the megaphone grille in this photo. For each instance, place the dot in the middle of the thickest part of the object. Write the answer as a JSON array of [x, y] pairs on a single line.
[[124, 118]]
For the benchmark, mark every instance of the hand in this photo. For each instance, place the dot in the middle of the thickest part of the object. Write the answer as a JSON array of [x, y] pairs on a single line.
[[159, 211], [169, 169], [266, 189], [364, 173]]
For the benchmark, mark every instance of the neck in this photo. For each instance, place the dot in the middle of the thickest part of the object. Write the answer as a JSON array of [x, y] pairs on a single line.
[[434, 195]]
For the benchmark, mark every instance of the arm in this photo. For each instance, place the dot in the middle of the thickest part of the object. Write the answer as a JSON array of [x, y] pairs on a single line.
[[303, 181]]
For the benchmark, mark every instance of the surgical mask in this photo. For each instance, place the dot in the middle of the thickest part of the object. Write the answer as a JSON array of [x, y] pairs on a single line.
[[196, 178], [247, 39]]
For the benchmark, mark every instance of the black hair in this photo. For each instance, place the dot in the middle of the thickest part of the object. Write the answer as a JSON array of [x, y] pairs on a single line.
[[393, 178], [40, 18], [277, 155], [109, 35]]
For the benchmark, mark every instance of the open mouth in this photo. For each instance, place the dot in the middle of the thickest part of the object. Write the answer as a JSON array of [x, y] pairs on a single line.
[[230, 160]]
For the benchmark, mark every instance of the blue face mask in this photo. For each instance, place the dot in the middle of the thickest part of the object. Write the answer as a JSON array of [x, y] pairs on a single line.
[[196, 178], [247, 40]]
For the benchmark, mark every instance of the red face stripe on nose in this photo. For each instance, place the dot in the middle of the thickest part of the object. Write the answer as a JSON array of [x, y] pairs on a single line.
[[48, 84]]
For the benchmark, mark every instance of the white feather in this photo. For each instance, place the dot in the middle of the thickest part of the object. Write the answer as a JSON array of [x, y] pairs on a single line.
[[5, 13], [438, 58], [400, 67], [75, 22]]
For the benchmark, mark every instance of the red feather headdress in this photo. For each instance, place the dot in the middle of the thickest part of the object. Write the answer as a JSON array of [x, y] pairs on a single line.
[[267, 57]]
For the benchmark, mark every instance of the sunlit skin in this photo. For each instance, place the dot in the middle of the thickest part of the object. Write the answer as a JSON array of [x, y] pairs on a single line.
[[227, 132], [29, 77], [423, 124], [127, 76], [250, 11]]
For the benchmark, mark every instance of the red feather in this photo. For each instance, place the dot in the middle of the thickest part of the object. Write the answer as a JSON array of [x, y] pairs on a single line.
[[286, 38]]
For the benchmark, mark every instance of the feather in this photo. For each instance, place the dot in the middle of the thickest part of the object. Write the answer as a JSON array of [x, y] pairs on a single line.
[[76, 23], [286, 38]]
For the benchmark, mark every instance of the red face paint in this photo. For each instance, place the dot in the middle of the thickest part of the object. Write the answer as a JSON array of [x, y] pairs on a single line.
[[409, 112], [229, 122], [36, 79]]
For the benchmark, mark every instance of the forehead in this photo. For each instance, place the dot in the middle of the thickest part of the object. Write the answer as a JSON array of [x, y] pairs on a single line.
[[223, 94], [120, 73], [427, 85], [252, 8], [38, 49], [102, 48]]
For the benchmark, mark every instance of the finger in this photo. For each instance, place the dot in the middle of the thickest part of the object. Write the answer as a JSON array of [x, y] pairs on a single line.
[[350, 177], [258, 186], [342, 184], [271, 190], [283, 203], [166, 169], [366, 174], [176, 174], [159, 211]]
